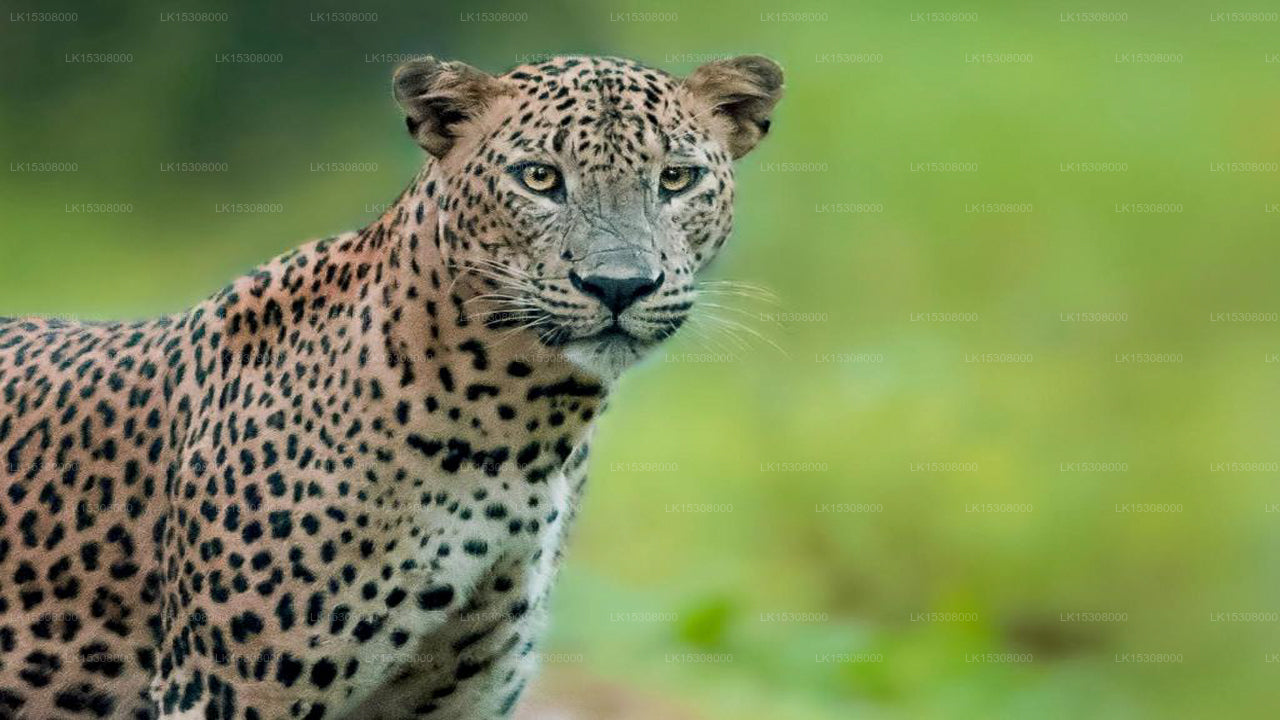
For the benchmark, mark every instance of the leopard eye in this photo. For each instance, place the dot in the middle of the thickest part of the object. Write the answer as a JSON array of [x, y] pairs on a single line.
[[540, 178], [677, 178]]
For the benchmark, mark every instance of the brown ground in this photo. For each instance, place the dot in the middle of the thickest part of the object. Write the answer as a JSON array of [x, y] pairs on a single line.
[[569, 693]]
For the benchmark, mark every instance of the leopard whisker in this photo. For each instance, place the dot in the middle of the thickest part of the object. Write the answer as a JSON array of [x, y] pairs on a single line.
[[737, 326], [703, 333]]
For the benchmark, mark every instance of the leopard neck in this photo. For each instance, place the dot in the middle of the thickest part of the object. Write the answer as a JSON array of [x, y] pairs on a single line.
[[497, 389]]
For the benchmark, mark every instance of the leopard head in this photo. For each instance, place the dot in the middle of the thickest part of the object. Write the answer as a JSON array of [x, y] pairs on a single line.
[[578, 198]]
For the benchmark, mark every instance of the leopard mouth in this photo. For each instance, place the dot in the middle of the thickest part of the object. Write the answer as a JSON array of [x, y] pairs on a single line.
[[619, 335], [612, 335], [615, 333]]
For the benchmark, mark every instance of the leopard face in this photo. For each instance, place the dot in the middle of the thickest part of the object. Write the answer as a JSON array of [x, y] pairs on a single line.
[[579, 198]]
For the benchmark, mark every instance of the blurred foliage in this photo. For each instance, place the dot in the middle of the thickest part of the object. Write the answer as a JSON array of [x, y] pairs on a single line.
[[705, 624], [713, 414]]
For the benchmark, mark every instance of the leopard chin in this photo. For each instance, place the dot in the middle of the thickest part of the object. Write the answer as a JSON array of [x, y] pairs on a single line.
[[606, 356]]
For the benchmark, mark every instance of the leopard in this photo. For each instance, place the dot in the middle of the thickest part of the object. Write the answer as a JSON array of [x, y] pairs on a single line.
[[341, 487]]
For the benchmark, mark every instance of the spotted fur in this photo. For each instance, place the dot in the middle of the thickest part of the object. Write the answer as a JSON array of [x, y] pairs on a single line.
[[339, 488]]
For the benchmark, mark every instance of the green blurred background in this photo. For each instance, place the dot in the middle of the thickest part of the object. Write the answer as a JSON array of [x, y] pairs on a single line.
[[1013, 459]]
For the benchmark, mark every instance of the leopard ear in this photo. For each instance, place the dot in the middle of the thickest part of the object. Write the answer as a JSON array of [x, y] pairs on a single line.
[[439, 96], [740, 94]]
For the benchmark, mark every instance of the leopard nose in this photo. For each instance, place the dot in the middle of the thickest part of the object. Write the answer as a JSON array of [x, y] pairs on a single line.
[[617, 293]]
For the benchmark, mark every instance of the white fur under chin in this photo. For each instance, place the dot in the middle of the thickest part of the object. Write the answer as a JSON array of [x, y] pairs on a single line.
[[605, 358]]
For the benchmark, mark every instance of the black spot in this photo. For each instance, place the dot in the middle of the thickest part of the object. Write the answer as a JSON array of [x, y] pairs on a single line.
[[423, 445], [435, 598], [323, 673], [245, 625], [84, 698], [528, 454], [476, 391], [366, 629], [288, 671], [479, 360], [281, 524]]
